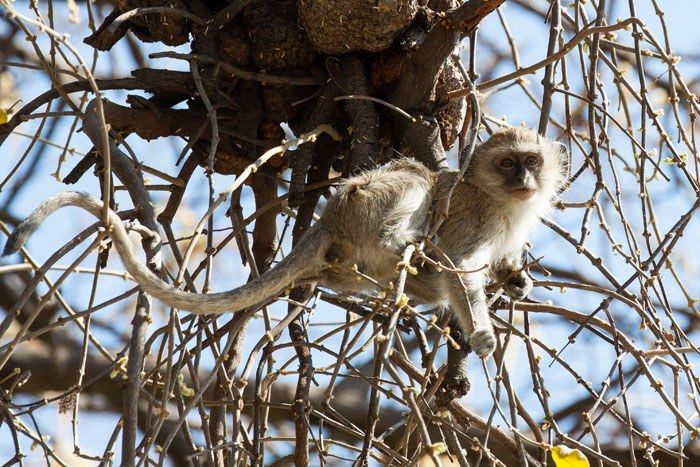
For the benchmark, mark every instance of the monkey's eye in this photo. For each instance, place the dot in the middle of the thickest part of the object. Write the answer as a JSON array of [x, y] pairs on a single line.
[[532, 161], [507, 163]]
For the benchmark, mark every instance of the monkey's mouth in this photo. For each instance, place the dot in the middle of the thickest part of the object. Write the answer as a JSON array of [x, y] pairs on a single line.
[[523, 193]]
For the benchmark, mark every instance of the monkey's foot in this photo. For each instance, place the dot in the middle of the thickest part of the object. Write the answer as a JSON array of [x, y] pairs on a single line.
[[453, 388], [483, 341]]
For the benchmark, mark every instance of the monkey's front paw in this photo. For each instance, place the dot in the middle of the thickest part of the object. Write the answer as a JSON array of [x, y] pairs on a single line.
[[517, 285], [483, 341]]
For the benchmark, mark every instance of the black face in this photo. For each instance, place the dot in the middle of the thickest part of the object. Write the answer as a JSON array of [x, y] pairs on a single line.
[[520, 173]]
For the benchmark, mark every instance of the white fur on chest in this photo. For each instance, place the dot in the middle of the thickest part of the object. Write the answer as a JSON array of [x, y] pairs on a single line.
[[516, 227]]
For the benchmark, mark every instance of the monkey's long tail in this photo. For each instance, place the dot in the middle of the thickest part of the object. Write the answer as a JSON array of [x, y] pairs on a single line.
[[305, 259]]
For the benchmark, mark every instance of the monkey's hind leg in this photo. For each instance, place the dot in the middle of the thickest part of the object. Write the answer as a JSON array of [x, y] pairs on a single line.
[[456, 383]]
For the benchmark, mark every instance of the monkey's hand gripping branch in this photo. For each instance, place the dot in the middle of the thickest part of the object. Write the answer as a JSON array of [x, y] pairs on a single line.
[[517, 285]]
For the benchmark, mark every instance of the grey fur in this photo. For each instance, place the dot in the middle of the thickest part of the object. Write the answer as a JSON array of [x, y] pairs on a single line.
[[369, 222]]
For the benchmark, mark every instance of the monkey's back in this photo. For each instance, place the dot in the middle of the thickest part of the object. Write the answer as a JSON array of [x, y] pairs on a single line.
[[387, 205], [377, 213]]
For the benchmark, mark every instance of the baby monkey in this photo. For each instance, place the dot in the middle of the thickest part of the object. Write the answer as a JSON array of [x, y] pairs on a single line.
[[509, 185]]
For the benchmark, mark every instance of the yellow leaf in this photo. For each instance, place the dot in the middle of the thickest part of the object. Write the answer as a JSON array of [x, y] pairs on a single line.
[[3, 116], [567, 457]]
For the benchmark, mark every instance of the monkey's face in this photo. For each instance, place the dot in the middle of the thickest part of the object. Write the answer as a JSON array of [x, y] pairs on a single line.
[[519, 173], [516, 164]]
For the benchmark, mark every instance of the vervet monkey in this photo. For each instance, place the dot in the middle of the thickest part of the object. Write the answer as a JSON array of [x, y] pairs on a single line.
[[368, 222]]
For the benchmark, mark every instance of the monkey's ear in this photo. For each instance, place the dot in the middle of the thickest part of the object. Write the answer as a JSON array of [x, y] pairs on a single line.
[[564, 158]]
